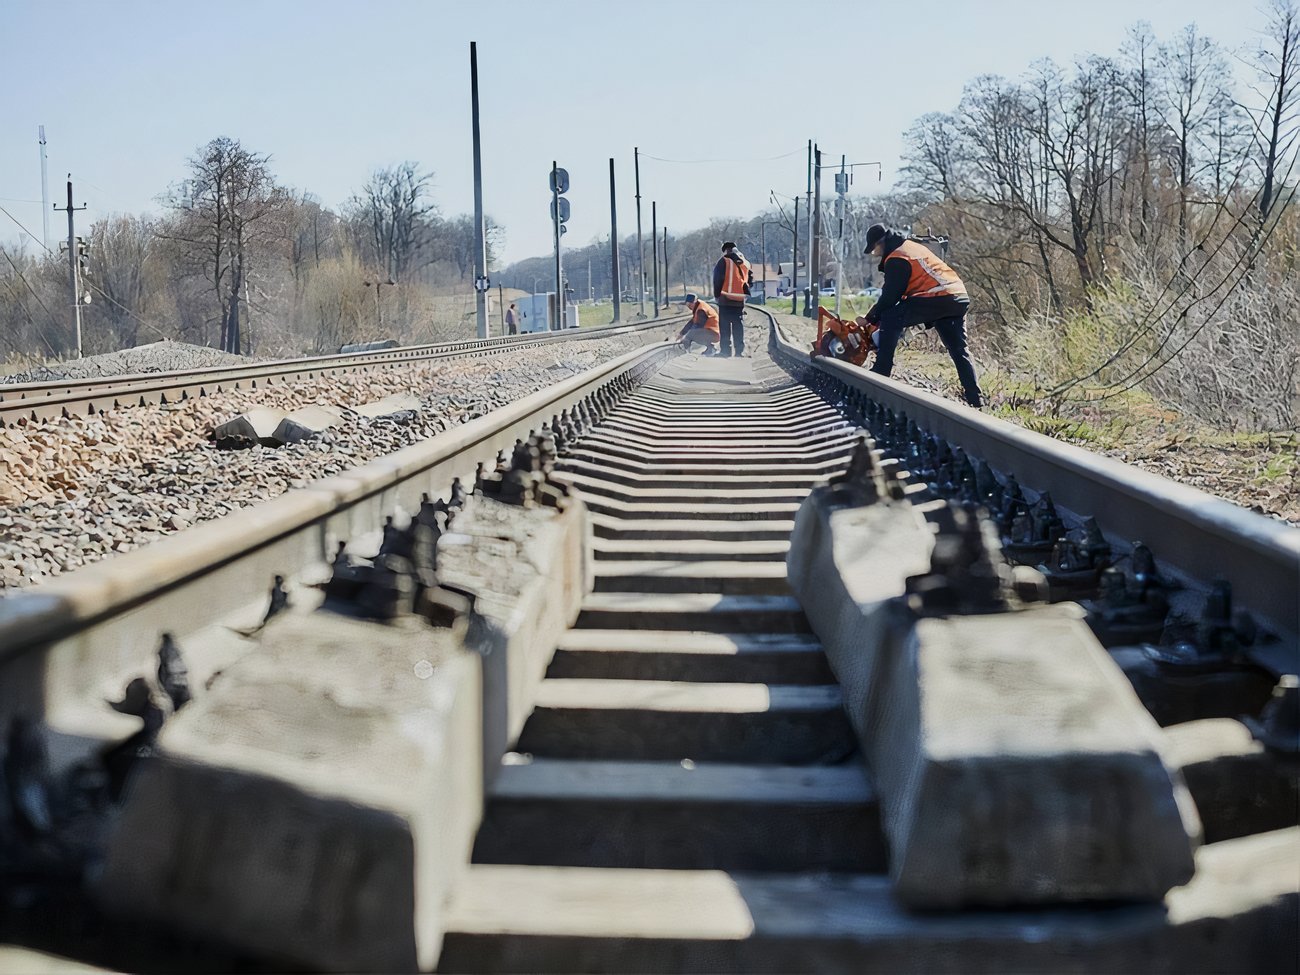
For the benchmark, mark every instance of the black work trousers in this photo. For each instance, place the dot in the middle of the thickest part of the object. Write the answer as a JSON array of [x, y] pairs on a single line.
[[947, 315], [731, 322]]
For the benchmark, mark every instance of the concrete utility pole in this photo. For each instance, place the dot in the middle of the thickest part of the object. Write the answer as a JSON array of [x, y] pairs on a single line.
[[640, 245], [74, 270], [807, 306], [665, 268], [613, 244], [794, 260], [841, 191], [814, 272], [45, 191], [654, 251], [480, 237]]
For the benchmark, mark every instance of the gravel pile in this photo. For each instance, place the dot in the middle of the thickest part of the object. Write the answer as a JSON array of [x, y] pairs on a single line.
[[166, 356], [77, 489]]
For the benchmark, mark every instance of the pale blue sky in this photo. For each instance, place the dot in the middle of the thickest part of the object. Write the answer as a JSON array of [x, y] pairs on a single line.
[[332, 89]]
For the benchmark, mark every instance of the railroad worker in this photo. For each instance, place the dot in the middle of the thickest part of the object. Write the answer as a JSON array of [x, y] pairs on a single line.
[[732, 279], [919, 289], [512, 320], [702, 328]]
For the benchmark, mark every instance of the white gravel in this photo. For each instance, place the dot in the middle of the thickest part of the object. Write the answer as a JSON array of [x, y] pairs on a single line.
[[77, 489]]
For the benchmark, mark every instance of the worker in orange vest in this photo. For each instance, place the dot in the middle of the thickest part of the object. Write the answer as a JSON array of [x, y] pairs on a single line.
[[919, 289], [732, 278], [702, 328]]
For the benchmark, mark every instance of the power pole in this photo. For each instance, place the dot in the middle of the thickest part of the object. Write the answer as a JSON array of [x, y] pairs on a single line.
[[640, 245], [501, 307], [794, 260], [613, 244], [814, 273], [665, 268], [762, 246], [807, 307], [481, 284], [74, 275], [654, 251], [45, 191], [841, 191]]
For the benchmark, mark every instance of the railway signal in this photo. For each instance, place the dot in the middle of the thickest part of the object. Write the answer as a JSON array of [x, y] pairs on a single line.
[[559, 183]]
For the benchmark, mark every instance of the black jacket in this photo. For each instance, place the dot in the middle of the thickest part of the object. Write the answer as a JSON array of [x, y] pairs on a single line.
[[896, 272], [719, 275]]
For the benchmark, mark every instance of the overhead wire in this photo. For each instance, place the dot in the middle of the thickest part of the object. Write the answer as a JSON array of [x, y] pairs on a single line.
[[54, 321], [692, 162], [157, 329], [1137, 374], [1155, 315]]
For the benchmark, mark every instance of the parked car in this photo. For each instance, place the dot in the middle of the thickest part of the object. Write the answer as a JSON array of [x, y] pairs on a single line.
[[869, 293], [828, 291]]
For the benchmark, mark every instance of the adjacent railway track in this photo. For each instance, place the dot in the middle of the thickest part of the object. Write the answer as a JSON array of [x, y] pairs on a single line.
[[703, 781], [32, 402]]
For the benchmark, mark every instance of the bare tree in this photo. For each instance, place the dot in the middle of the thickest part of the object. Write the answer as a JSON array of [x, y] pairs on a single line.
[[1276, 121], [1193, 86], [1139, 56], [124, 250], [223, 220], [397, 216]]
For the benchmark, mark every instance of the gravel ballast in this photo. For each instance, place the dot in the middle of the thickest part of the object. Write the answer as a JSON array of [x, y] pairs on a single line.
[[166, 356], [77, 489]]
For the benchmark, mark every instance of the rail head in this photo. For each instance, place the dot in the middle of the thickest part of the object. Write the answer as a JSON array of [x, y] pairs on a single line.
[[1200, 536]]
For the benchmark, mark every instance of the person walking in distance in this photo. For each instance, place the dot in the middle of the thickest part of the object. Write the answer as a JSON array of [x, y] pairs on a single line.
[[512, 320], [919, 289], [732, 278], [702, 328]]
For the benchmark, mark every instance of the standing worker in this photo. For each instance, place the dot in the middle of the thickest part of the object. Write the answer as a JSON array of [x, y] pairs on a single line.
[[512, 320], [731, 280], [919, 289], [702, 328]]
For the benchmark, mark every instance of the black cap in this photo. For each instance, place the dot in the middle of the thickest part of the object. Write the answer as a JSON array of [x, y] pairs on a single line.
[[729, 245], [690, 298], [874, 233]]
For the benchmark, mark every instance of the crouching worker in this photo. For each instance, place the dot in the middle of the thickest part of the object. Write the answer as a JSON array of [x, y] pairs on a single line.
[[919, 289], [703, 327]]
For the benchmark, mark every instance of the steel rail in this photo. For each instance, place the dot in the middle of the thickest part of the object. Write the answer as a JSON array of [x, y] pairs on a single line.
[[52, 399], [1199, 536], [69, 639]]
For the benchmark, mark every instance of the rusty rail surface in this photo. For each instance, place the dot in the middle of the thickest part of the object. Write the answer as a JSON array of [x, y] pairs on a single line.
[[1196, 535], [82, 397]]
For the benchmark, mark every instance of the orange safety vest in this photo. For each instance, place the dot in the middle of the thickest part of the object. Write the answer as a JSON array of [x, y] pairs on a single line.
[[710, 317], [930, 277], [735, 278]]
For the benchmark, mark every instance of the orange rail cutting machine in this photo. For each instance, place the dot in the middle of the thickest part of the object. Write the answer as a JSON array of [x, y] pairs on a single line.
[[850, 340]]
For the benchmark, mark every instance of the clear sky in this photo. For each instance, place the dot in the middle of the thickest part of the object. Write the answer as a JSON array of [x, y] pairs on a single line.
[[332, 89]]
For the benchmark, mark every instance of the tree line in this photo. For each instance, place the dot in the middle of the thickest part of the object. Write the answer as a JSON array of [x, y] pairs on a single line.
[[243, 263], [1126, 222]]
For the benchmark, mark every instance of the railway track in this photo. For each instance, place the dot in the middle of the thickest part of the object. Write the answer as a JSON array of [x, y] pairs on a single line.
[[697, 785], [32, 402]]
